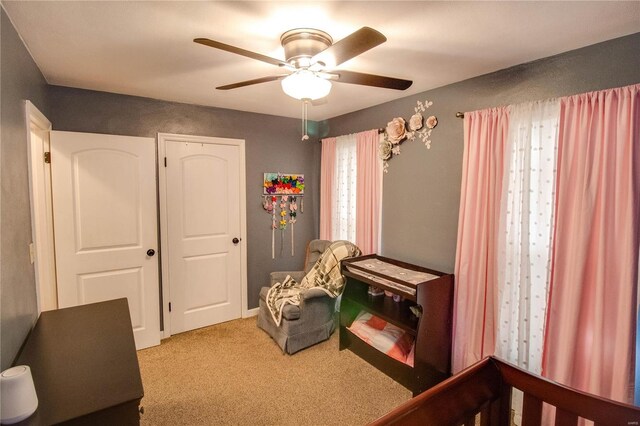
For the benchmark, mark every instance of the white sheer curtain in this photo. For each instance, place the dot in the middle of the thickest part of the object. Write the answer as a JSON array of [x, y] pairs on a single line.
[[526, 221], [526, 224], [344, 199]]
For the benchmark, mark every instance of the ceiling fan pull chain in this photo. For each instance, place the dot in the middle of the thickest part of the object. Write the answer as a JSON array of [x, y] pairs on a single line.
[[305, 136]]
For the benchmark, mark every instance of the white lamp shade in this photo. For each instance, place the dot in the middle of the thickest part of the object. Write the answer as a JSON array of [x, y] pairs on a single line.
[[18, 394], [305, 84]]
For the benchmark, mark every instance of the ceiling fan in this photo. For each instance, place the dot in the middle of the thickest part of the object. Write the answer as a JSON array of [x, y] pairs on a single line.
[[310, 58]]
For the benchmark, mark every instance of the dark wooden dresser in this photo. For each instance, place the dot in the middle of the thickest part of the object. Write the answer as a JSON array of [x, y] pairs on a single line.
[[84, 366]]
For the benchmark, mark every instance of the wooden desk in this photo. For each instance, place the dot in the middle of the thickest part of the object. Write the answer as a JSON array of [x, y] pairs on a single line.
[[84, 366]]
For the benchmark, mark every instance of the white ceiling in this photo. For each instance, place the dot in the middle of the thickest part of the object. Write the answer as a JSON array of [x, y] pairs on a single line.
[[146, 49]]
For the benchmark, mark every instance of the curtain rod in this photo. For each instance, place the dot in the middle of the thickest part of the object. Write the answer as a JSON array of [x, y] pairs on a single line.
[[380, 131]]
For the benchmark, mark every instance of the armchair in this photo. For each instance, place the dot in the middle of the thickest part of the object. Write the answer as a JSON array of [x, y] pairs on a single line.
[[312, 321]]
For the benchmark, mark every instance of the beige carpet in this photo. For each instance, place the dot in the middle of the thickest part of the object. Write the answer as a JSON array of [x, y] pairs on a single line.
[[234, 374]]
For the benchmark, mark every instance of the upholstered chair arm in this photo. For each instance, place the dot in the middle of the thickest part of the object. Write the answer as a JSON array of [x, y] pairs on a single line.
[[279, 276], [313, 293]]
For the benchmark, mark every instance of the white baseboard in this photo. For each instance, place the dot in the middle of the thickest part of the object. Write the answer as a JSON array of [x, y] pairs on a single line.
[[250, 313]]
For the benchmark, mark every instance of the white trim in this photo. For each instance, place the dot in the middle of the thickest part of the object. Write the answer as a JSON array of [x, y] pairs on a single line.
[[381, 186], [163, 138], [41, 208], [164, 239], [250, 313], [243, 228]]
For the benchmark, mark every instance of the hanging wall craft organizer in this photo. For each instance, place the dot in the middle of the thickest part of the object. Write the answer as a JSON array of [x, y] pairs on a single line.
[[396, 132], [288, 189]]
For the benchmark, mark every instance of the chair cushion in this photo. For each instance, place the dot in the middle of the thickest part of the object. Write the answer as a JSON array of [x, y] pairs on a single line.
[[289, 312], [314, 250]]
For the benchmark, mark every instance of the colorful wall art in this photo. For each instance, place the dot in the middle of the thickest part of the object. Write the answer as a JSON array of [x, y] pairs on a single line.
[[284, 191], [283, 184]]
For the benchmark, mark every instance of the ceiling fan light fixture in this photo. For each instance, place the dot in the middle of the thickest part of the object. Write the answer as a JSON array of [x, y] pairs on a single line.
[[305, 84]]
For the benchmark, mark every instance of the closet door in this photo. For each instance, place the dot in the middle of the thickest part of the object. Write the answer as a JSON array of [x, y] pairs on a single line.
[[203, 232], [105, 222]]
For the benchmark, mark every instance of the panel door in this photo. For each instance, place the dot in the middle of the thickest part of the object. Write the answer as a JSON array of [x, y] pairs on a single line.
[[203, 217], [105, 222]]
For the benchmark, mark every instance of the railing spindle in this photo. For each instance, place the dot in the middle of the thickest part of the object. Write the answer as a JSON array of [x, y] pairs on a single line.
[[531, 411], [565, 418]]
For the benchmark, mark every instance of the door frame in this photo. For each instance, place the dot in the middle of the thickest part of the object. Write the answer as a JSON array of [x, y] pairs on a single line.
[[162, 140], [42, 232]]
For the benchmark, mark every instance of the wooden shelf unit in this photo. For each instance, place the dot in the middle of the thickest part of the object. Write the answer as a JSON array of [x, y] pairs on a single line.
[[432, 331]]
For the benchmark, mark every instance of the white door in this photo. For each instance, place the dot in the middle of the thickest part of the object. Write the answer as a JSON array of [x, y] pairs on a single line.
[[105, 221], [204, 190]]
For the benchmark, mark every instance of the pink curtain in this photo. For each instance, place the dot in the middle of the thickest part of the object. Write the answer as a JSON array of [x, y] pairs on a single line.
[[369, 192], [590, 333], [485, 136], [327, 171]]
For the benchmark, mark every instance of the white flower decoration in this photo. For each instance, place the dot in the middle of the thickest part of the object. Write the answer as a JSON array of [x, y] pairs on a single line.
[[386, 148], [396, 130], [415, 122]]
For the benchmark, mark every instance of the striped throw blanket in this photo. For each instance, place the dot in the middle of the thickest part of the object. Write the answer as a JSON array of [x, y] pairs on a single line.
[[324, 275]]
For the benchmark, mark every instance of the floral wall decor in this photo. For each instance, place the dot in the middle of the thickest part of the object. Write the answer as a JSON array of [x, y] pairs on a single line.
[[287, 189], [397, 131], [283, 184]]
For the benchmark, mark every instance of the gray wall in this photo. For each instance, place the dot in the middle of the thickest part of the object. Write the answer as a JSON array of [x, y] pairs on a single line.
[[272, 144], [20, 80], [422, 188]]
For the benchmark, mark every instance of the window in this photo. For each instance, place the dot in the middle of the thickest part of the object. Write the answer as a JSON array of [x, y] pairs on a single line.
[[351, 190], [344, 181]]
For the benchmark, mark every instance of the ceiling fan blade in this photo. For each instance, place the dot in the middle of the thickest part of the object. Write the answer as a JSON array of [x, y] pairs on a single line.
[[349, 47], [254, 81], [239, 51], [353, 77]]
